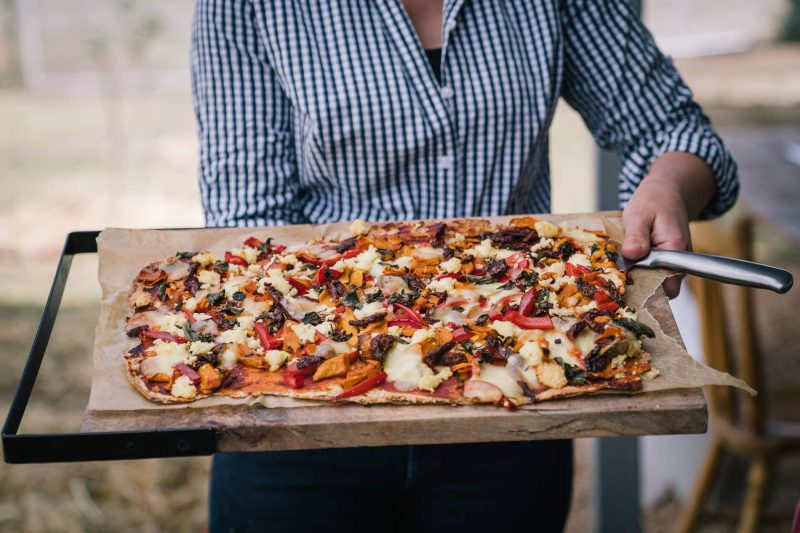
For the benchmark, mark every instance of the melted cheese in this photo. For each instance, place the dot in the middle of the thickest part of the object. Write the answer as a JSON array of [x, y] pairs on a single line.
[[208, 279], [275, 358], [236, 335], [452, 265], [406, 371], [546, 229], [184, 388], [369, 310], [447, 285], [204, 258], [304, 332], [364, 260], [200, 347], [500, 377]]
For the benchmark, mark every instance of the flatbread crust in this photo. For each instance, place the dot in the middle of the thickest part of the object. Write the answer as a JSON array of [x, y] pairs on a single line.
[[154, 286]]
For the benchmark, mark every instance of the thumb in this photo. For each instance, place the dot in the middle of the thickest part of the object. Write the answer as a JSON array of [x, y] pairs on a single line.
[[637, 237]]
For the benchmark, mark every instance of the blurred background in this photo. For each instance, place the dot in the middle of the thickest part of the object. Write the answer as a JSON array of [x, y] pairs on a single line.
[[97, 130]]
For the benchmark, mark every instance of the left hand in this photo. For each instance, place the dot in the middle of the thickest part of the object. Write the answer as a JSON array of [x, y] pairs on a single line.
[[676, 190]]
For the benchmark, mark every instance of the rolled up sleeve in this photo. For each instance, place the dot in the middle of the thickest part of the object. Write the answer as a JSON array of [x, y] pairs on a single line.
[[248, 172], [634, 101]]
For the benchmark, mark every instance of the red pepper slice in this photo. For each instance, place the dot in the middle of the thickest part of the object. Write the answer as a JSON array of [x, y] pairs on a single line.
[[164, 336], [362, 387], [411, 314], [297, 284], [495, 316], [252, 242], [187, 371], [235, 259], [601, 297], [267, 341], [461, 335], [528, 303], [529, 322], [575, 271], [325, 274], [405, 323], [189, 315], [608, 306], [277, 248], [293, 380], [453, 275], [305, 258]]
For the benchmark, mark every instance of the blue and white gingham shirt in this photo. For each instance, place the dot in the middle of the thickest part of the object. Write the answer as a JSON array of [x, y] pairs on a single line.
[[326, 110]]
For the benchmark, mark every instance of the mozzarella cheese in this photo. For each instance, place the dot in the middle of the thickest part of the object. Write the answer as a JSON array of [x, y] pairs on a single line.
[[505, 328], [532, 353], [546, 229], [228, 358], [369, 310], [358, 227], [200, 347], [452, 265], [275, 358], [405, 369], [421, 334], [364, 260], [236, 335], [278, 282], [204, 258], [246, 322], [304, 332], [170, 322], [447, 285], [208, 278], [485, 249], [184, 388], [500, 377], [581, 259], [190, 304]]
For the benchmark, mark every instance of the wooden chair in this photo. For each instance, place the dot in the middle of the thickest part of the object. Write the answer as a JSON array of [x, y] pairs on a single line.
[[737, 421]]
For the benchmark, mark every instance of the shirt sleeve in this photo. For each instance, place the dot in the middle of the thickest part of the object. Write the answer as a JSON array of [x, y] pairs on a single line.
[[633, 100], [248, 172]]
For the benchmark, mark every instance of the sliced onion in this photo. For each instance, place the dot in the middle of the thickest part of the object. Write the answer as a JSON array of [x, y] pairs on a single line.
[[476, 389], [206, 326], [175, 271]]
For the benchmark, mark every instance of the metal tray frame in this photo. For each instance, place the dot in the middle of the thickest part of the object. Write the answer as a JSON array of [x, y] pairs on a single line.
[[101, 446]]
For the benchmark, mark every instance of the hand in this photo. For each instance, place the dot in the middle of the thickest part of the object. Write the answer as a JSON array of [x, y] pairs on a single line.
[[676, 190]]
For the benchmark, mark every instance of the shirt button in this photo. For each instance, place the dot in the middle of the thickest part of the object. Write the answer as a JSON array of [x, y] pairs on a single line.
[[451, 25], [447, 92], [446, 162]]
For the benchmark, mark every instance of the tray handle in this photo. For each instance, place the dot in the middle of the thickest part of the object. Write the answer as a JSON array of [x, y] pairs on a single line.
[[99, 446]]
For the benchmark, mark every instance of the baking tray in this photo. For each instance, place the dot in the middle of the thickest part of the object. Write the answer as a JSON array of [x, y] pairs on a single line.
[[191, 432]]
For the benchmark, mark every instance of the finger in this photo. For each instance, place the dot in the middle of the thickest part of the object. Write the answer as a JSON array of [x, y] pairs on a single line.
[[637, 236]]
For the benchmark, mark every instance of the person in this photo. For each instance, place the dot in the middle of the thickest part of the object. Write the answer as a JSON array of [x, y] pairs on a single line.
[[314, 112]]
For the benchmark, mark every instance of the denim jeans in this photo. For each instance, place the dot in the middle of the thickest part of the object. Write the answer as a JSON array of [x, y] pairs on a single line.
[[492, 487]]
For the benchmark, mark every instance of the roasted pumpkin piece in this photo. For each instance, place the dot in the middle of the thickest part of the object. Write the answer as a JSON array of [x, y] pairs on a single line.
[[210, 378], [333, 367], [358, 374]]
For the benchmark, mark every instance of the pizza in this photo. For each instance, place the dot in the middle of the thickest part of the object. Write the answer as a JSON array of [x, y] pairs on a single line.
[[456, 312]]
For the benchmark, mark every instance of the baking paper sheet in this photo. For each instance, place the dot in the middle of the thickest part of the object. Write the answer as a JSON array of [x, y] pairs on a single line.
[[123, 252]]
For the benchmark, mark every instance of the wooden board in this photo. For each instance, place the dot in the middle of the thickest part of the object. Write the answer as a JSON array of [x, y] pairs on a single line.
[[326, 426]]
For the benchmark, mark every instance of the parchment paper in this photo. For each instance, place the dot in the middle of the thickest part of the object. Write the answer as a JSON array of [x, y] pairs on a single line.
[[123, 252]]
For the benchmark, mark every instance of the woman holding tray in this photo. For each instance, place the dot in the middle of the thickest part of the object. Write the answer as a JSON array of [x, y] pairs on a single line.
[[313, 112]]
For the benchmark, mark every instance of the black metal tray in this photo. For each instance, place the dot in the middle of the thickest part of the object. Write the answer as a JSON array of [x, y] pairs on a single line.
[[66, 447]]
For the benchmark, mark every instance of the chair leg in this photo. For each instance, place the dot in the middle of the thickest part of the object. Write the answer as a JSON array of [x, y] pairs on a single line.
[[757, 478], [703, 484]]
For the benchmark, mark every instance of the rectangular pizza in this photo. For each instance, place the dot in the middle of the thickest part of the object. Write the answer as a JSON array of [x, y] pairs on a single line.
[[456, 312]]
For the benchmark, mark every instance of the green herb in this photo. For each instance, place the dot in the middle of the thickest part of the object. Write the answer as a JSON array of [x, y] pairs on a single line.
[[508, 285], [313, 318], [527, 279], [238, 296], [351, 300], [483, 319], [574, 375], [265, 248], [458, 308], [638, 329], [480, 280], [185, 255], [215, 298], [190, 333], [221, 266], [376, 296], [543, 300], [340, 336], [231, 310], [162, 290], [468, 346], [384, 251], [405, 298]]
